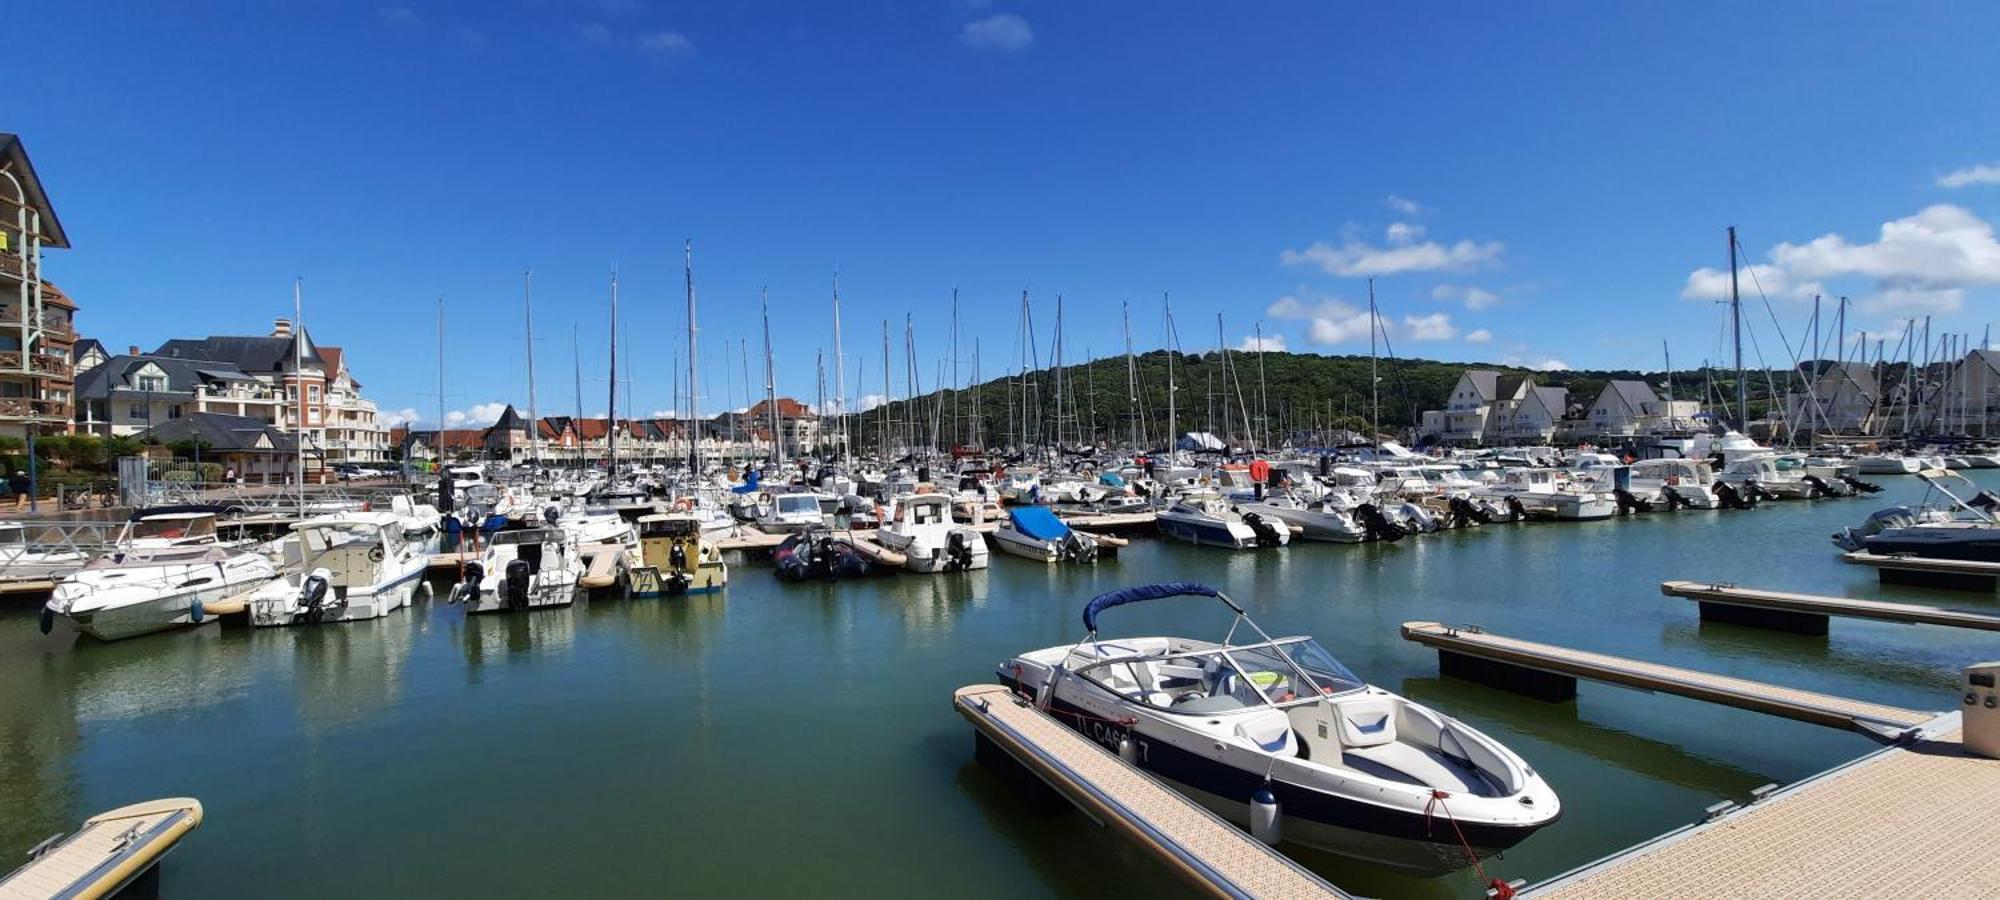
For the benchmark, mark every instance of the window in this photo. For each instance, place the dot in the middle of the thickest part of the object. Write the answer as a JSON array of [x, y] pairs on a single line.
[[135, 410], [152, 383]]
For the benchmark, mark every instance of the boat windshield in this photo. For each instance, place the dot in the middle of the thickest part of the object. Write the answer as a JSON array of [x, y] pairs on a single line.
[[798, 503], [1226, 679]]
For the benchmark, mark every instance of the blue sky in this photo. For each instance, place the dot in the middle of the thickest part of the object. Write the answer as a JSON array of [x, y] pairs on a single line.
[[1531, 183]]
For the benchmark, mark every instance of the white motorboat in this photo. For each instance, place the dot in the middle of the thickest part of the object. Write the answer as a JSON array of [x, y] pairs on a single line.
[[166, 568], [1209, 520], [791, 513], [1783, 477], [1887, 464], [1034, 532], [356, 566], [1545, 494], [1021, 484], [1324, 519], [1277, 729], [529, 568], [1674, 483], [923, 531]]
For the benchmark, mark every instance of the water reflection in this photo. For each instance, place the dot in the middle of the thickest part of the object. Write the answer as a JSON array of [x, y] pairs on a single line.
[[534, 636]]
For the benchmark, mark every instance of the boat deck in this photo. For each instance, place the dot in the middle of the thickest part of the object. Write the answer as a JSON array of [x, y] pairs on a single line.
[[1209, 852], [1550, 671], [1818, 607], [1907, 821], [107, 853]]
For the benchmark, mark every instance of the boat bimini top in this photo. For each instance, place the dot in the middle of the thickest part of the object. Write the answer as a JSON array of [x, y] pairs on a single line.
[[1200, 678]]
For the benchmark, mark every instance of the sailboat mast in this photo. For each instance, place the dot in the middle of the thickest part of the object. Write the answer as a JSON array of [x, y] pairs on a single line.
[[1173, 350], [440, 435], [882, 421], [299, 383], [1131, 379], [576, 357], [528, 323], [1736, 329], [839, 377], [694, 376], [957, 392], [771, 384], [1263, 395], [611, 413], [1374, 370]]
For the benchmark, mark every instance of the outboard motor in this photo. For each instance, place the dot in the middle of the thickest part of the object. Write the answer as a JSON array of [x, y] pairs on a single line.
[[515, 588], [1758, 491], [1732, 498], [468, 587], [312, 595], [1267, 534], [958, 551], [1375, 525], [1869, 487], [1629, 503], [1674, 499], [551, 514], [1819, 486], [819, 559], [1076, 548]]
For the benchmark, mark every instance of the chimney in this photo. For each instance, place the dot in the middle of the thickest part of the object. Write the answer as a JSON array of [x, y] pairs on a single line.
[[281, 328], [132, 350]]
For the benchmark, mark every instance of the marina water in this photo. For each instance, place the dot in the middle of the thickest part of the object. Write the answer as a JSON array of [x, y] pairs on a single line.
[[798, 739]]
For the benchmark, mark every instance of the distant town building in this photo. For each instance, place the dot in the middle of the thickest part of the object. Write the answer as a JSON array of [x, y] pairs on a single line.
[[1844, 398], [1487, 407], [37, 321]]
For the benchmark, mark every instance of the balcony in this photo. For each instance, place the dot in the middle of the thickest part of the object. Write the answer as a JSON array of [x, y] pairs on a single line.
[[15, 408], [10, 263], [44, 366]]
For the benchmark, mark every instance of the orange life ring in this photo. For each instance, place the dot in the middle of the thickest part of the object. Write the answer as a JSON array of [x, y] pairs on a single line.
[[1260, 471]]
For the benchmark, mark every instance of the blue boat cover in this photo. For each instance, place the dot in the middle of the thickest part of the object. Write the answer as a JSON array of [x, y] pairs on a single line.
[[1038, 523], [1105, 601], [749, 485], [1110, 479]]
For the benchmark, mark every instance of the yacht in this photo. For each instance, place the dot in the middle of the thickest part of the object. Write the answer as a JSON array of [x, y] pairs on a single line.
[[354, 566], [1323, 519], [1887, 464], [1034, 532], [923, 531], [790, 513], [1352, 769], [675, 558], [1673, 483], [1208, 519], [167, 565], [527, 568]]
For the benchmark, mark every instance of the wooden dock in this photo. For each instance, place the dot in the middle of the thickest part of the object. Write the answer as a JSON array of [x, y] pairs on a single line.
[[1807, 613], [1906, 821], [1919, 571], [1550, 673], [1210, 853]]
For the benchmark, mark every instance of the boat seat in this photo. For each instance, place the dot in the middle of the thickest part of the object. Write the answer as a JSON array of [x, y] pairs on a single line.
[[1413, 765], [1366, 721]]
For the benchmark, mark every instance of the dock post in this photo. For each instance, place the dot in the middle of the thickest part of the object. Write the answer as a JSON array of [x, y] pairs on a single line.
[[1775, 619], [1521, 680]]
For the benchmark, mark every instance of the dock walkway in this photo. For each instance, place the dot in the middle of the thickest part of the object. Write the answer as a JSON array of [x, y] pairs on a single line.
[[1809, 612], [1920, 571], [1550, 672], [1906, 821], [1214, 855]]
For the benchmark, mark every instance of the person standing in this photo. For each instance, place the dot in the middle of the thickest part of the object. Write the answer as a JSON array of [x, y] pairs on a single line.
[[20, 485]]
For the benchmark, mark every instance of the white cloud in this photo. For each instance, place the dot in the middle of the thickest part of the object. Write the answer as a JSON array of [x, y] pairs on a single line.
[[398, 418], [479, 416], [594, 32], [1272, 342], [666, 43], [1404, 232], [867, 402], [1355, 258], [1434, 327], [1403, 205], [1480, 336], [1713, 284], [1984, 173], [1474, 298], [1005, 31], [1329, 321], [1539, 364], [1920, 263], [663, 414]]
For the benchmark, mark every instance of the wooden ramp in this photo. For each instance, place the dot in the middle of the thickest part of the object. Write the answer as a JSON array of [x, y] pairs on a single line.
[[1550, 672], [1196, 844], [1918, 571], [605, 564], [1808, 613], [111, 851], [1907, 821], [746, 537]]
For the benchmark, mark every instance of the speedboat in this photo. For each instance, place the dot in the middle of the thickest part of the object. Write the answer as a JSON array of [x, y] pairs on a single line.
[[1960, 529], [350, 567], [166, 568], [1543, 494], [1208, 519], [674, 557], [1886, 464], [791, 513], [527, 568], [1323, 519], [1675, 483], [1034, 532], [1350, 768], [922, 530]]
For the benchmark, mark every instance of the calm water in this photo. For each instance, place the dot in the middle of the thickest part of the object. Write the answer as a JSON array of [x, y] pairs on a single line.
[[799, 740]]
